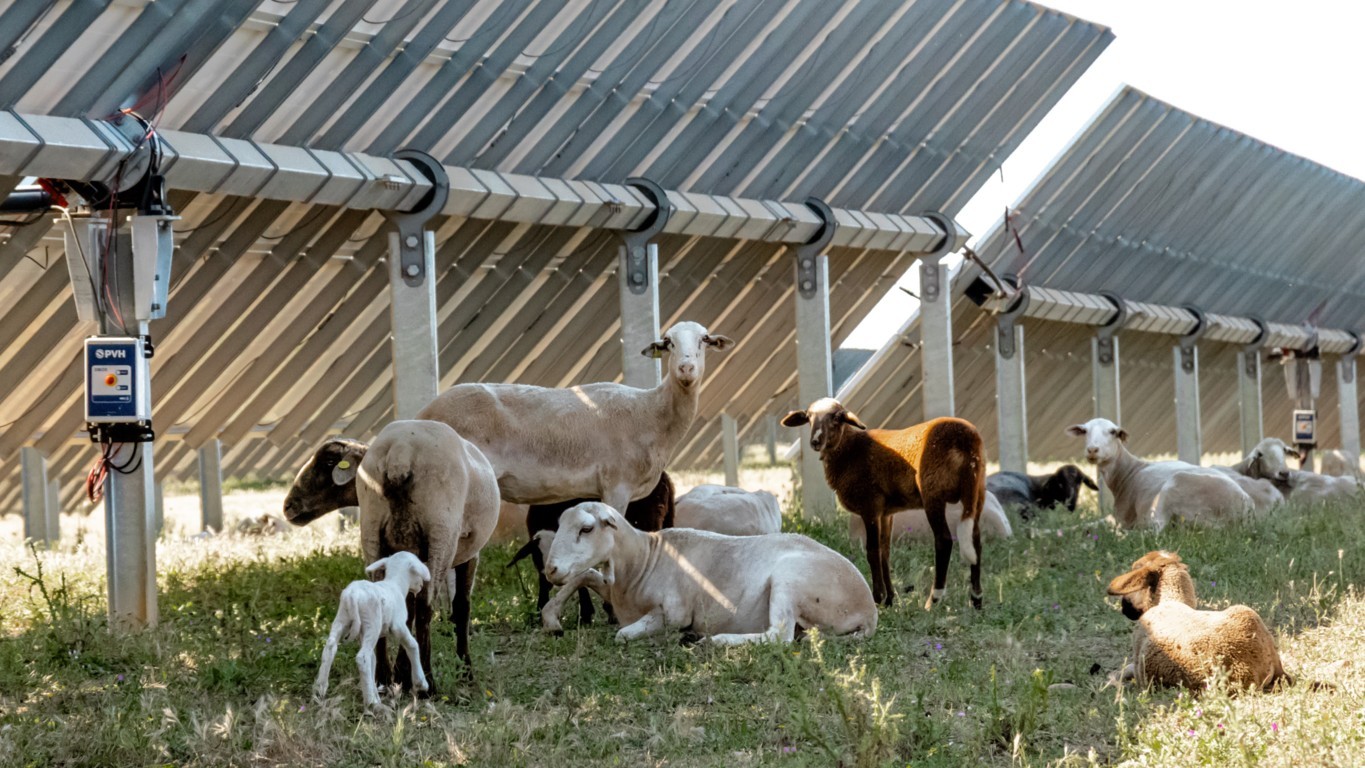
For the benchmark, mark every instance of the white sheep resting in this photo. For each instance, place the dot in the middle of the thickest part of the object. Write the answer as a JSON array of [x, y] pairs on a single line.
[[598, 441], [424, 489], [912, 523], [727, 510], [734, 589], [1338, 463], [1307, 487], [370, 610], [1140, 488]]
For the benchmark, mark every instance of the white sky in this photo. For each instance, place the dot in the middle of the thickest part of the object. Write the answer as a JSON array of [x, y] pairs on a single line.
[[1288, 73]]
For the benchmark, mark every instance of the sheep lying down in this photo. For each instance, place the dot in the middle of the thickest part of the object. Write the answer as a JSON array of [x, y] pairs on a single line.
[[732, 589], [912, 523]]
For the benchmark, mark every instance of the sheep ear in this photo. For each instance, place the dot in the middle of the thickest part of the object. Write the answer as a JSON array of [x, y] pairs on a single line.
[[1123, 435], [377, 566], [795, 419], [717, 342], [1133, 581], [850, 418], [1293, 452], [604, 516], [1076, 429], [656, 350], [1088, 482]]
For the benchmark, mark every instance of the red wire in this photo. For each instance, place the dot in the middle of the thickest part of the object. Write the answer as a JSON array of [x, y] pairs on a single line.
[[94, 480]]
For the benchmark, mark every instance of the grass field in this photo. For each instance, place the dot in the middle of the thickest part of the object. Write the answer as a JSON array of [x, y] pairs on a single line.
[[226, 678]]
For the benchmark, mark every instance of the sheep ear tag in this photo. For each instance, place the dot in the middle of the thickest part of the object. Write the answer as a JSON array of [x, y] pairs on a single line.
[[343, 472]]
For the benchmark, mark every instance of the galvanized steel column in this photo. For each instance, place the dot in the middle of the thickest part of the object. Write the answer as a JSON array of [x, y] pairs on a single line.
[[211, 485], [158, 509], [1189, 442], [815, 375], [1010, 397], [1104, 368], [40, 522], [772, 438], [130, 522], [412, 293], [729, 441], [1348, 406], [637, 276], [936, 330], [1249, 390]]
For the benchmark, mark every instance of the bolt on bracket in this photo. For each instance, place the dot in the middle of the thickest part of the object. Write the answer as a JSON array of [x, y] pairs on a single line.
[[1005, 321], [1190, 341], [808, 253], [1104, 335], [412, 224], [636, 241]]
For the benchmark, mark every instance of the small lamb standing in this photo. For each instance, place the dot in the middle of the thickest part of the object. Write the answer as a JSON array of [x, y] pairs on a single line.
[[1032, 493], [371, 609], [727, 510], [1151, 493], [1175, 644], [734, 589], [876, 473]]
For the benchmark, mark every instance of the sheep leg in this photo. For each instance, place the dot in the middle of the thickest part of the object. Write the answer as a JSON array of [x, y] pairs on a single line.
[[370, 644], [329, 653], [943, 548], [781, 622], [543, 593], [549, 615], [650, 624], [459, 611], [884, 547], [585, 609], [383, 673], [422, 622], [402, 668], [872, 542], [405, 639], [976, 565]]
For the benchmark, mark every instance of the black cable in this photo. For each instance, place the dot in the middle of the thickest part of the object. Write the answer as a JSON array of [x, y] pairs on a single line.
[[321, 209], [585, 22], [201, 225], [416, 7]]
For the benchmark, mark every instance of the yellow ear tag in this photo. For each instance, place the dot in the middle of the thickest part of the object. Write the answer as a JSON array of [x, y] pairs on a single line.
[[343, 464]]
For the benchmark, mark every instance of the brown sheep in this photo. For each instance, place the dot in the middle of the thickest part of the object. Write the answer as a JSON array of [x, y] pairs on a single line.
[[1175, 644], [879, 472]]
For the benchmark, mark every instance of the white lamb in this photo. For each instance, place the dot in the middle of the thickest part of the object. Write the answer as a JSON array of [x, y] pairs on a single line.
[[727, 510], [913, 523], [370, 609], [734, 589], [1152, 493]]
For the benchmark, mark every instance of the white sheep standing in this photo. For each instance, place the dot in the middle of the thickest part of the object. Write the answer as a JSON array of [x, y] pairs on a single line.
[[913, 523], [728, 510], [603, 441], [734, 589], [1151, 493], [371, 609]]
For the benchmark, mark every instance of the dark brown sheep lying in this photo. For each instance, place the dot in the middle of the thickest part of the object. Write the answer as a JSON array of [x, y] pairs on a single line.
[[651, 513], [1032, 493], [879, 472]]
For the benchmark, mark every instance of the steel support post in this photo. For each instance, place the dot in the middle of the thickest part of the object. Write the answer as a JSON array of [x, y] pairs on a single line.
[[211, 485], [1249, 390], [637, 276], [936, 331], [729, 441], [412, 292], [1189, 442], [772, 438], [1349, 406], [815, 376], [1104, 366], [130, 522], [1010, 397], [40, 523], [158, 509]]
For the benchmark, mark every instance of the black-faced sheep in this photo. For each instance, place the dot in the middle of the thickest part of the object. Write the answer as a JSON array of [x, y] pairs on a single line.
[[1175, 644], [733, 589], [878, 472], [1030, 494]]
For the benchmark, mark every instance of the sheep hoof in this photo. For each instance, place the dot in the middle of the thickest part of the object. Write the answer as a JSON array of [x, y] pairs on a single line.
[[909, 588], [689, 639], [976, 602]]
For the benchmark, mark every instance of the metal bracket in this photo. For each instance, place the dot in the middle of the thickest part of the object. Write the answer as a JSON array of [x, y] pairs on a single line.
[[637, 241], [1251, 351], [930, 286], [950, 229], [1348, 372], [808, 253], [1190, 341], [411, 224], [1104, 335], [1005, 321]]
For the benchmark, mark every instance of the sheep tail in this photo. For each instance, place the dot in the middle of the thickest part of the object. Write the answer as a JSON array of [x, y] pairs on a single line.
[[523, 553]]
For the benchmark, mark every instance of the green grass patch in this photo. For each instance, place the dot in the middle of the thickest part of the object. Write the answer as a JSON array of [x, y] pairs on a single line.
[[226, 677]]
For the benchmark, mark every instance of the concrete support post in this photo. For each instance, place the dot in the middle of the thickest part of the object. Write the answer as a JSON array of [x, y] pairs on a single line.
[[637, 277], [211, 485], [936, 330], [40, 522], [1189, 441], [129, 519], [815, 375], [412, 293], [1249, 395], [729, 441], [1349, 409]]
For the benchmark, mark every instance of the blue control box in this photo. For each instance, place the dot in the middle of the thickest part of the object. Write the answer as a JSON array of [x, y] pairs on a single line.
[[116, 389]]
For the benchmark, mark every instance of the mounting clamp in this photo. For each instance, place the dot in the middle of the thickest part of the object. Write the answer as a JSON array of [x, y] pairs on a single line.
[[808, 253], [1005, 321], [637, 241], [1348, 372], [1104, 335], [411, 224], [929, 287], [1189, 341], [1251, 351]]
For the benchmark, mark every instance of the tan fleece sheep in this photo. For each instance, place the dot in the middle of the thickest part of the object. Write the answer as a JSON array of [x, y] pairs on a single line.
[[1175, 644]]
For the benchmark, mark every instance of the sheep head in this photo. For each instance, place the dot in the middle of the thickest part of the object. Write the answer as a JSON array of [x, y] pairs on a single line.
[[1064, 487], [586, 536], [1142, 587], [686, 344], [404, 568], [326, 482], [828, 419], [1103, 440], [1267, 461]]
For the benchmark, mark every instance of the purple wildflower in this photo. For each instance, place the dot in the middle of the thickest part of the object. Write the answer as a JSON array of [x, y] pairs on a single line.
[[938, 646], [1191, 731], [119, 678], [788, 750], [1274, 727]]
